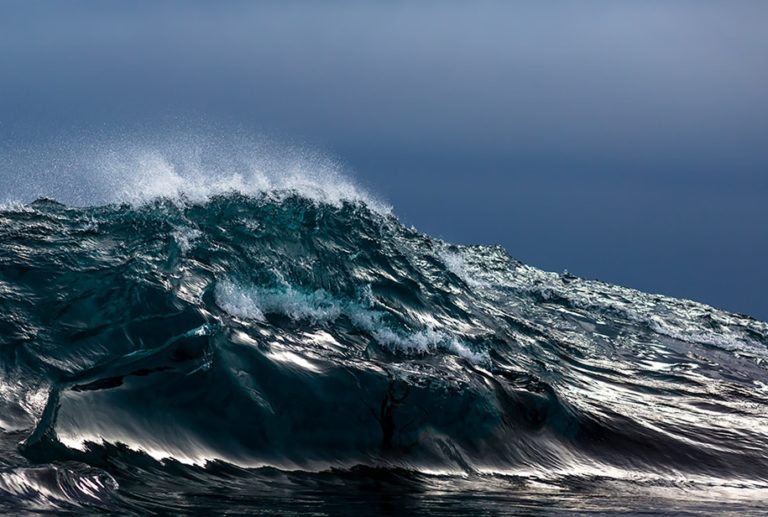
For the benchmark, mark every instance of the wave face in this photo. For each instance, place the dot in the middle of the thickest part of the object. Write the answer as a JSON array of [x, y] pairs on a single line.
[[241, 351]]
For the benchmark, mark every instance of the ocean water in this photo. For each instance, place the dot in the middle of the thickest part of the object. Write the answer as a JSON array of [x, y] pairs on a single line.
[[197, 345]]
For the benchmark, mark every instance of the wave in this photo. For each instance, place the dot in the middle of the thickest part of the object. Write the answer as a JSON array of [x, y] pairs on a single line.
[[306, 329]]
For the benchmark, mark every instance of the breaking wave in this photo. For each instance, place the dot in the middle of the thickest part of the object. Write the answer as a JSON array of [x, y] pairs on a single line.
[[257, 330]]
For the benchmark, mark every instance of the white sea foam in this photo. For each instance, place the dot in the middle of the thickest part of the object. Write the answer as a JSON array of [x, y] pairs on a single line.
[[320, 307], [179, 167], [254, 303], [456, 264], [238, 302], [185, 237], [149, 175], [14, 206]]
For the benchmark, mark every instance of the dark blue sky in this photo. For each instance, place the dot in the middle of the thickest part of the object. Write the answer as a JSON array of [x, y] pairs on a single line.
[[626, 141]]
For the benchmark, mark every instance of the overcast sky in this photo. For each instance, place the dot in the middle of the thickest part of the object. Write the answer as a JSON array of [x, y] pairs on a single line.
[[626, 141]]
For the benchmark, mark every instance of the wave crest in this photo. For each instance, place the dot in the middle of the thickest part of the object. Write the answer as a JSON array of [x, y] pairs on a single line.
[[179, 167]]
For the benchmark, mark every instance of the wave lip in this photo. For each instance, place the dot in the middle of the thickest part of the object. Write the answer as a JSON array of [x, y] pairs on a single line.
[[182, 168]]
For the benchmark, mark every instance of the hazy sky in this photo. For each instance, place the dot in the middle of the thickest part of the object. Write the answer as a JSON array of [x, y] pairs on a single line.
[[626, 141]]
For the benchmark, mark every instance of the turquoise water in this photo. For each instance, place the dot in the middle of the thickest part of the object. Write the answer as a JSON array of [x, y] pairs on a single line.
[[288, 352]]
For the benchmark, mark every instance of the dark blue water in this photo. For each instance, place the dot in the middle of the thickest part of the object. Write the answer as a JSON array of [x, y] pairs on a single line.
[[299, 350]]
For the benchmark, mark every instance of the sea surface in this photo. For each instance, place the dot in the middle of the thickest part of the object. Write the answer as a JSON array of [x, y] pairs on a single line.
[[283, 352]]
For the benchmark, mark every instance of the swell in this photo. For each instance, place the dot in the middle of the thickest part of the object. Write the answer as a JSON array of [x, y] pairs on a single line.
[[280, 331]]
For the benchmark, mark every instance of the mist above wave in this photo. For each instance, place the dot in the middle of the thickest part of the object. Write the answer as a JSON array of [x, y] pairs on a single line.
[[181, 167]]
